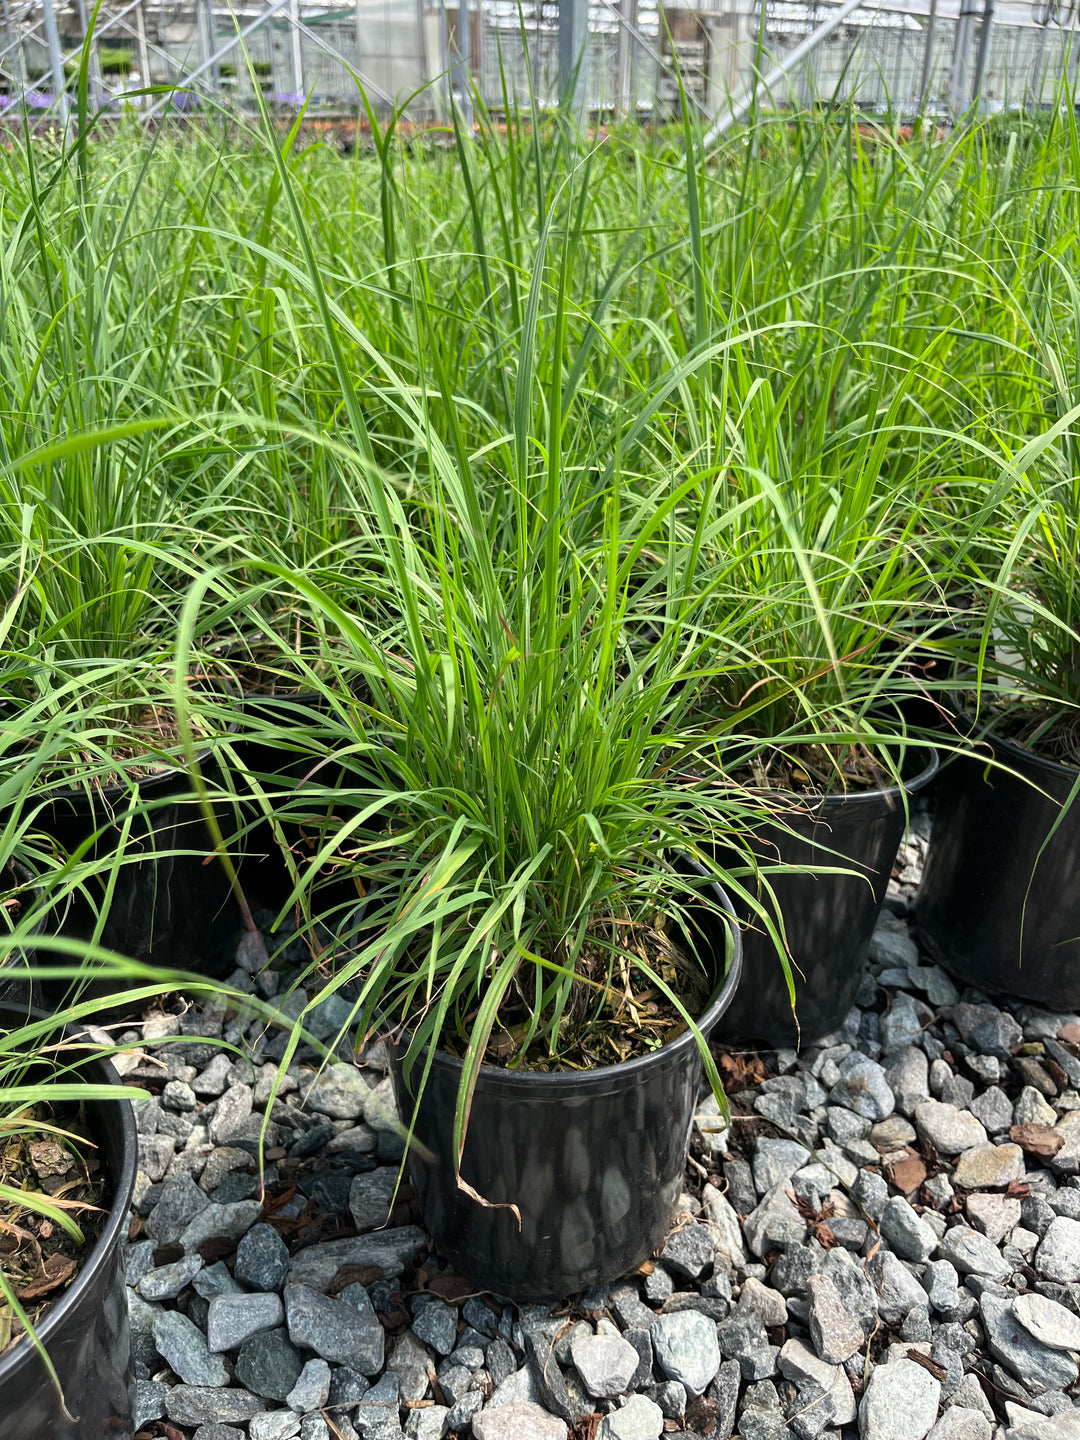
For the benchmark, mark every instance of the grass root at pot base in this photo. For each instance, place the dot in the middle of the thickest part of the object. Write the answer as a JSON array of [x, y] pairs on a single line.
[[999, 905], [828, 918], [593, 1160], [86, 1332]]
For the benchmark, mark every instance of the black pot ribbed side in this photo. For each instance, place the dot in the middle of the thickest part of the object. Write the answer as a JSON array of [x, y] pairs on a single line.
[[999, 904], [85, 1332], [594, 1159], [828, 919]]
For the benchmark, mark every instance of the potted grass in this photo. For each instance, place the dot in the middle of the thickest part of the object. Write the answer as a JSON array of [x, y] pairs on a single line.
[[538, 942], [94, 716], [65, 1363], [997, 905], [814, 605]]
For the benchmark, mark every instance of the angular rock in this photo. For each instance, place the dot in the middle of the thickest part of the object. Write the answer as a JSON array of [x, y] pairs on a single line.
[[727, 1232], [312, 1389], [1048, 1322], [902, 1024], [689, 1250], [334, 1329], [948, 1129], [941, 1283], [412, 1363], [742, 1337], [268, 1365], [517, 1420], [993, 1109], [605, 1363], [220, 1222], [770, 1305], [900, 1402], [906, 1073], [339, 1091], [370, 1196], [843, 1311], [895, 1288], [231, 1319], [862, 1087], [166, 1281], [911, 1237], [182, 1346], [1038, 1367], [390, 1250], [430, 1423], [989, 1167], [973, 1254], [200, 1405], [988, 1030], [686, 1349], [639, 1419], [1031, 1108], [232, 1109], [262, 1259], [435, 1323], [775, 1161], [824, 1390], [148, 1402], [775, 1223], [181, 1200], [959, 1423], [274, 1425], [994, 1215], [1058, 1255]]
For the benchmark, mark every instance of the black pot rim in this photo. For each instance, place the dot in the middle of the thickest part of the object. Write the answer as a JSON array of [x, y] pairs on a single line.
[[888, 794], [624, 1069], [1018, 752], [147, 784], [24, 1353]]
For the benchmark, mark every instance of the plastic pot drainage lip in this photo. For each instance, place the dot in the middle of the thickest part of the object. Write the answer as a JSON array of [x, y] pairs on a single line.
[[594, 1159]]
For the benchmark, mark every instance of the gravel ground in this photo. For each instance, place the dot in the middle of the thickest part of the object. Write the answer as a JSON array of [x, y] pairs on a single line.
[[884, 1244]]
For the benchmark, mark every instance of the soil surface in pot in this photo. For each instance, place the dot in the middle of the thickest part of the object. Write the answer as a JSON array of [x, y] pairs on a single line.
[[816, 771], [633, 1018], [47, 1152]]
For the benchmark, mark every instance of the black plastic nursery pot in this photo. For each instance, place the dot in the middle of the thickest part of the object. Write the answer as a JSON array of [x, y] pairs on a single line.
[[171, 902], [593, 1159], [86, 1331], [828, 918], [999, 904]]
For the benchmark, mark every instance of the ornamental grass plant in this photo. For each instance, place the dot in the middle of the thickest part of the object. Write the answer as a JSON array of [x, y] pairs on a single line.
[[560, 469]]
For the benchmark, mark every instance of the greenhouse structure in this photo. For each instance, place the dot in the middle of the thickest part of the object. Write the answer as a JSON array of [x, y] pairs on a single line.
[[621, 56]]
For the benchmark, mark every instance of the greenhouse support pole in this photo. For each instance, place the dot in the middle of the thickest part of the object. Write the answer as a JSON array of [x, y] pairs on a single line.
[[1038, 74], [142, 49], [928, 57], [573, 54], [624, 58], [56, 62], [297, 53], [741, 109], [460, 93], [982, 54], [958, 79]]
